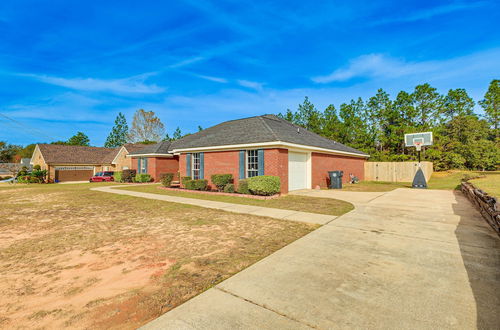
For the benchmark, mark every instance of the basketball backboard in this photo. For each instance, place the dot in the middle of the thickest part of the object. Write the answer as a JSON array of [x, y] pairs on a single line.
[[418, 139]]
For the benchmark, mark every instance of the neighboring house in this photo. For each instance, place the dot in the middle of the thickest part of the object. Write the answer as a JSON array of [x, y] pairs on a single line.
[[79, 163], [262, 145]]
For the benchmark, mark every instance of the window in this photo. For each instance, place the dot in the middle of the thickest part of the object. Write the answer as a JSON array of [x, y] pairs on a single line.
[[143, 165], [195, 166], [252, 163]]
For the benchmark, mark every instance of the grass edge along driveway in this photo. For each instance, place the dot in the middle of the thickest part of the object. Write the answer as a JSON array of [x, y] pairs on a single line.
[[326, 206]]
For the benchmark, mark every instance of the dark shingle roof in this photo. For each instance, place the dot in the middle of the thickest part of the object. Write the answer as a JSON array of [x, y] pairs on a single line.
[[266, 128], [64, 154], [133, 147], [157, 148]]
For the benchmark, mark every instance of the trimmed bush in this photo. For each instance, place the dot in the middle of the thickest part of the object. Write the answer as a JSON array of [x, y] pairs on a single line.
[[196, 184], [229, 188], [221, 180], [117, 176], [166, 179], [37, 167], [243, 187], [264, 185], [142, 177], [128, 175], [184, 180]]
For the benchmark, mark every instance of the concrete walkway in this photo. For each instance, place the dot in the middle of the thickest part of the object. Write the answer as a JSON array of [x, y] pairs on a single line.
[[405, 259], [291, 215]]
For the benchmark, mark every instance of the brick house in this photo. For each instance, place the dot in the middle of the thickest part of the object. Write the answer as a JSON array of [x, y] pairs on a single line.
[[262, 145], [79, 163]]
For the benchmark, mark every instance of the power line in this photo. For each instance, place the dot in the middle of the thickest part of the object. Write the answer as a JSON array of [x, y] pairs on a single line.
[[27, 128]]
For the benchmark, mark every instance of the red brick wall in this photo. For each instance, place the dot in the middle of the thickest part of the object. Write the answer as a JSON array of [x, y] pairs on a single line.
[[276, 163], [228, 162], [157, 166], [322, 163]]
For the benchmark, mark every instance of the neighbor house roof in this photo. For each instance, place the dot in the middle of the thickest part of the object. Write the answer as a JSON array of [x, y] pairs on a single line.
[[64, 154], [133, 147], [162, 147], [260, 129]]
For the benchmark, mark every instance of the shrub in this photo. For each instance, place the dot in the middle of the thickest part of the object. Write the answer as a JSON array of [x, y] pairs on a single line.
[[184, 180], [128, 175], [221, 180], [117, 176], [37, 167], [243, 187], [196, 184], [264, 185], [39, 175], [23, 171], [166, 179], [142, 177], [229, 188]]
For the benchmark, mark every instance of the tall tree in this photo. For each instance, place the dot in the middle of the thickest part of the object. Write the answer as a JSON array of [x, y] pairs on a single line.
[[146, 127], [308, 116], [79, 139], [119, 133], [331, 123], [491, 105], [457, 103], [428, 103]]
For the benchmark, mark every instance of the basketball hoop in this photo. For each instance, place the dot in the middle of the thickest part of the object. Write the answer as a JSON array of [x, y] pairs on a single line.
[[418, 145]]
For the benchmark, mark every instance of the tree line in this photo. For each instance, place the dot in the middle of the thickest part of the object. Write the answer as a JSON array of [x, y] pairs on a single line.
[[462, 138]]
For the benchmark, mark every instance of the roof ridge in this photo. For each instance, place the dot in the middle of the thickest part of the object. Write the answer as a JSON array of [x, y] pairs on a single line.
[[269, 128]]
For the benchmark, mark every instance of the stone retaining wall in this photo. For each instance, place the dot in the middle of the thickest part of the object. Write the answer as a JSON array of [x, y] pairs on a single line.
[[487, 205]]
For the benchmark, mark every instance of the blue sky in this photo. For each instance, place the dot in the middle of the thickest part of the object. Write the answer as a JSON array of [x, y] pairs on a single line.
[[68, 66]]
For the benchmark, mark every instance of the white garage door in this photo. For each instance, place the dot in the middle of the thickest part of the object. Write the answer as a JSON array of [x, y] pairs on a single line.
[[297, 171]]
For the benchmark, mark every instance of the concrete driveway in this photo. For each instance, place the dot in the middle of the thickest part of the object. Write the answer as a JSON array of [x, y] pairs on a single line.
[[402, 259]]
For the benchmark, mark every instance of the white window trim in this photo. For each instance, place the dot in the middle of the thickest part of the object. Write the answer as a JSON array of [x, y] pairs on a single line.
[[193, 167], [246, 162]]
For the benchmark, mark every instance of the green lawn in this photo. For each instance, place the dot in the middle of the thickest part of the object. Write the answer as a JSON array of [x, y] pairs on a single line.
[[291, 202], [489, 184], [453, 179]]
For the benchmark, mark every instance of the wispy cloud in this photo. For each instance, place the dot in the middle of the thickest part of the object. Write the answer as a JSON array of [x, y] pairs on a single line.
[[431, 12], [130, 85], [383, 67], [211, 78], [250, 84]]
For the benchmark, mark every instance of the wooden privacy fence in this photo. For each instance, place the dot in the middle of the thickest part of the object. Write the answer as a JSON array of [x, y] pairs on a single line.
[[487, 205], [396, 171]]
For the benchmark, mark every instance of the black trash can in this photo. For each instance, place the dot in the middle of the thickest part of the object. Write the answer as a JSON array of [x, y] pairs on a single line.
[[335, 179]]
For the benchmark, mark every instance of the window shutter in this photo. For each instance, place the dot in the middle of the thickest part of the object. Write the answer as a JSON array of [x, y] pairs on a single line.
[[145, 165], [260, 154], [242, 164], [202, 165], [188, 164], [139, 165]]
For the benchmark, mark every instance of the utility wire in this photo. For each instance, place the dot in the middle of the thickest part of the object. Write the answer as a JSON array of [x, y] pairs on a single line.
[[30, 130]]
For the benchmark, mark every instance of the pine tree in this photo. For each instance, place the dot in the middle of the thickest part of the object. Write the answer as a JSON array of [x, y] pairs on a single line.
[[177, 134], [491, 105], [119, 133], [79, 139]]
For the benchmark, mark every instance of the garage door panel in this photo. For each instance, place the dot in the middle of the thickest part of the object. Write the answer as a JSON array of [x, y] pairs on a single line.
[[73, 175], [297, 171]]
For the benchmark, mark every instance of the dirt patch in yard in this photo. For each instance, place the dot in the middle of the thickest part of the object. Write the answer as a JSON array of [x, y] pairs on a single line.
[[70, 257]]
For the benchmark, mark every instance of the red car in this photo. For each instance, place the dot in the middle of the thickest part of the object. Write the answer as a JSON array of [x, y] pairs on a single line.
[[103, 177]]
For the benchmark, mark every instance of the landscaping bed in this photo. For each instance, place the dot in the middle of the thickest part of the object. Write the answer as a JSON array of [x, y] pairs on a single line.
[[220, 193], [75, 258]]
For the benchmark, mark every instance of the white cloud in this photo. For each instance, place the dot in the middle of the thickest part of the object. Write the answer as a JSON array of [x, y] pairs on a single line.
[[383, 67], [250, 84], [211, 78], [135, 84]]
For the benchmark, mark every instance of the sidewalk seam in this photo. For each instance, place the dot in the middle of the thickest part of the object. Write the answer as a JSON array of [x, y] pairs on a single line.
[[267, 308]]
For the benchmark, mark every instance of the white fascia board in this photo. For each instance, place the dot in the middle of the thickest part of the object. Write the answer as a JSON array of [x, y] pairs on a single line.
[[151, 155], [267, 145]]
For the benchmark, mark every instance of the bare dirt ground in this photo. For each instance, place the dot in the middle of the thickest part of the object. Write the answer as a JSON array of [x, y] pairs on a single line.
[[70, 257]]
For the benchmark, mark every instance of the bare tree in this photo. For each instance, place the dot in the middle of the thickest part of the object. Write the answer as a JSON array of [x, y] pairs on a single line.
[[146, 127], [13, 168]]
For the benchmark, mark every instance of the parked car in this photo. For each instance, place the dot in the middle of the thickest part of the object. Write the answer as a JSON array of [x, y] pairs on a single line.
[[106, 176]]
